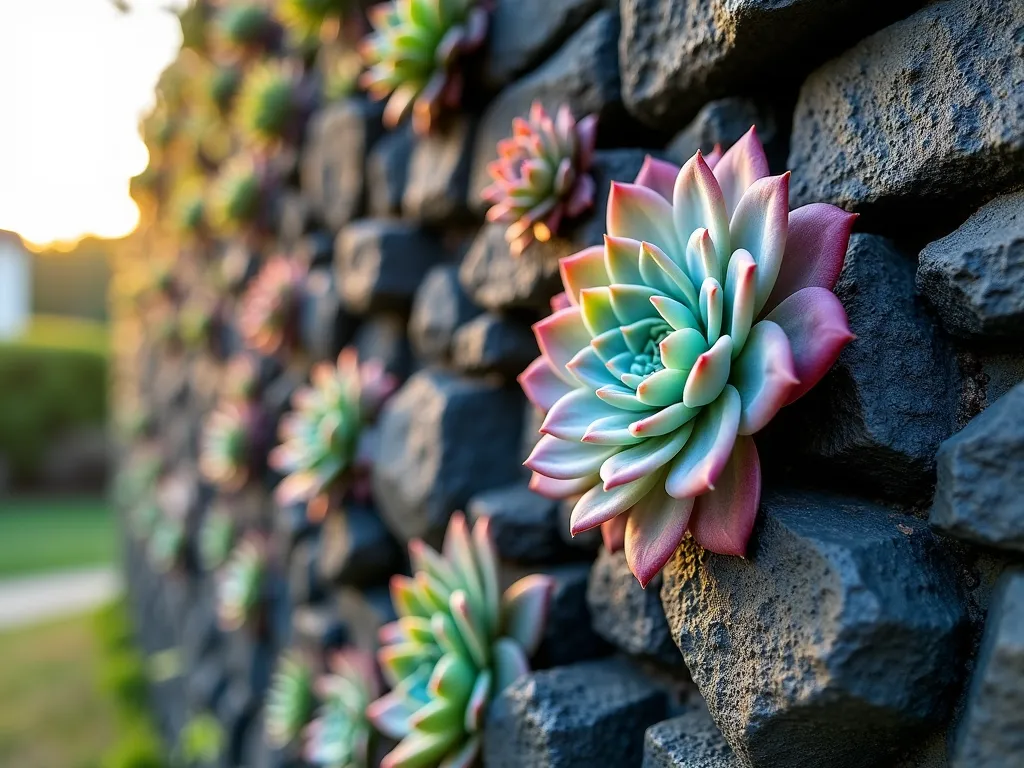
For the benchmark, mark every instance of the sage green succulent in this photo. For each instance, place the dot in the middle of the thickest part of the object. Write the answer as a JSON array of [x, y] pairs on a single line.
[[341, 735], [290, 701], [235, 198], [240, 584], [457, 644], [271, 103], [216, 536]]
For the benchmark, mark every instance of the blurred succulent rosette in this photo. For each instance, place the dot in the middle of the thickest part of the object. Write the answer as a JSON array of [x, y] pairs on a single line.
[[341, 736], [241, 584], [233, 438], [290, 701], [269, 311]]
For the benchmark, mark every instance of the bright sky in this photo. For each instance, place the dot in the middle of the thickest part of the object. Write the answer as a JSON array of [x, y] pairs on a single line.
[[75, 76]]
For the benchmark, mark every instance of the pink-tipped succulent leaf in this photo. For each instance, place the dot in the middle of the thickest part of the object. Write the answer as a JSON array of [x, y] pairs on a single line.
[[229, 444], [268, 317], [340, 735], [541, 175], [707, 310]]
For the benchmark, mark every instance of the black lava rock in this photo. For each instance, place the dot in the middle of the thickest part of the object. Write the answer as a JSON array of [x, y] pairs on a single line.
[[440, 306], [846, 621], [443, 439], [585, 715], [723, 122], [980, 492], [877, 419], [357, 549], [294, 218], [916, 119], [303, 572], [627, 615], [584, 74], [569, 634], [691, 740], [991, 733], [439, 174], [495, 279], [524, 32], [493, 343], [324, 325], [524, 526], [333, 167], [380, 263], [364, 612], [387, 171], [679, 54], [975, 277], [382, 337]]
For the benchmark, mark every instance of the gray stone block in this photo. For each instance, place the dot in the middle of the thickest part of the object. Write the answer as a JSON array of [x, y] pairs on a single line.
[[691, 740], [991, 733], [439, 308], [724, 121], [569, 634], [923, 117], [524, 526], [382, 337], [979, 496], [324, 325], [626, 615], [380, 263], [584, 715], [494, 344], [838, 640], [443, 439], [439, 169], [974, 277], [357, 549], [387, 171]]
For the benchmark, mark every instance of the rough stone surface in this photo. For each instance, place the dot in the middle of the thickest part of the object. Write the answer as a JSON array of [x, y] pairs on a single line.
[[974, 277], [679, 54], [364, 612], [524, 525], [387, 171], [585, 715], [877, 419], [495, 279], [439, 308], [324, 325], [524, 32], [382, 337], [443, 439], [845, 620], [584, 74], [357, 549], [569, 632], [380, 263], [303, 568], [691, 740], [493, 343], [333, 174], [923, 116], [991, 734], [979, 496], [723, 122], [439, 174], [627, 615]]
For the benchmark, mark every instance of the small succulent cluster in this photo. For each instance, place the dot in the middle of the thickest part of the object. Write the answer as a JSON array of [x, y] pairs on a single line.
[[457, 643], [216, 537], [414, 52], [707, 310], [268, 317], [541, 176], [241, 379], [244, 28], [320, 438], [290, 701], [309, 20], [272, 103], [237, 195], [167, 541], [229, 443], [340, 735], [240, 584]]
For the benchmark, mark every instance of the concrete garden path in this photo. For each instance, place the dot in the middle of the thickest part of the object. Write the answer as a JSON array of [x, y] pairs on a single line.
[[31, 599]]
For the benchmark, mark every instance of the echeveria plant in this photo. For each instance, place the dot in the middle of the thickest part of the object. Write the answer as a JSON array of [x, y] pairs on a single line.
[[216, 536], [272, 103], [457, 644], [166, 547], [241, 379], [240, 584], [228, 445], [320, 437], [236, 196], [290, 701], [340, 735], [541, 176], [413, 56], [268, 316], [707, 310], [306, 20], [245, 27]]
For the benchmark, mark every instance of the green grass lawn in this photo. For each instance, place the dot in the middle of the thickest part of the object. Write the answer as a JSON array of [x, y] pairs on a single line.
[[38, 535], [52, 711], [56, 332]]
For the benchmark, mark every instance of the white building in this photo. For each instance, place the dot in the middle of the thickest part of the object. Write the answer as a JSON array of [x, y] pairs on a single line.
[[15, 286]]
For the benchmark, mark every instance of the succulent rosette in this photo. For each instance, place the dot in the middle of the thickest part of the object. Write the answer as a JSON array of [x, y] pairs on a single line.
[[240, 584], [290, 701], [241, 379], [216, 535], [321, 435], [229, 445], [541, 175], [245, 28], [340, 735], [237, 196], [272, 103], [268, 317], [166, 546], [413, 56], [457, 643], [707, 310], [307, 20]]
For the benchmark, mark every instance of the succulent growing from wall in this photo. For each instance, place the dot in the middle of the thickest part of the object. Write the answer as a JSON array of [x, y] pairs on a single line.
[[414, 54], [240, 380], [166, 547], [457, 643], [707, 310], [307, 20], [228, 445], [216, 535], [320, 437], [541, 176], [290, 700], [340, 735], [268, 317], [240, 584], [222, 86], [236, 196], [245, 28], [272, 103]]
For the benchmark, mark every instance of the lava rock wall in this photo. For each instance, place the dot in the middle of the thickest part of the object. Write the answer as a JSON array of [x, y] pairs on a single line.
[[878, 619]]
